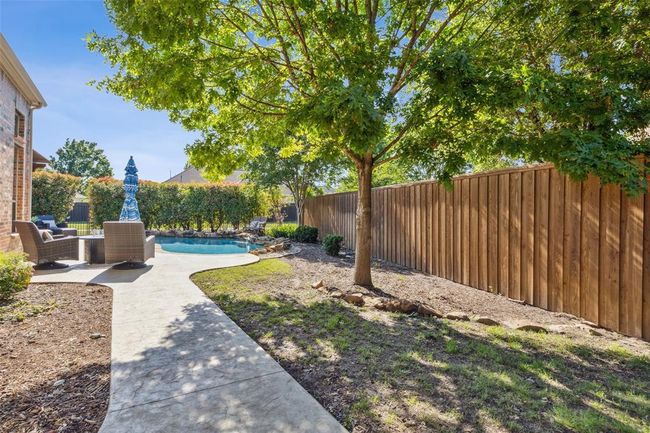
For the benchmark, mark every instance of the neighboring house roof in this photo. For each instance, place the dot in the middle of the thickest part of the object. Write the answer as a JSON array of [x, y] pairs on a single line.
[[192, 175], [18, 75], [38, 160], [189, 175]]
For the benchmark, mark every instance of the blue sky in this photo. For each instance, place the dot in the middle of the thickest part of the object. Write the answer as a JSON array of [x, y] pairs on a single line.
[[48, 38]]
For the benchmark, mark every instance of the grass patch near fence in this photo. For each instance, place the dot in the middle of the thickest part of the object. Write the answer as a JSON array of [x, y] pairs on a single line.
[[385, 372]]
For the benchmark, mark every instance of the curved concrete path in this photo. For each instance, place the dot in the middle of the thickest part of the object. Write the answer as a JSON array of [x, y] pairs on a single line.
[[179, 364]]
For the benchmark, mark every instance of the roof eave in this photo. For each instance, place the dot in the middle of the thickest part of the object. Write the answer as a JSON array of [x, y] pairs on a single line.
[[19, 76]]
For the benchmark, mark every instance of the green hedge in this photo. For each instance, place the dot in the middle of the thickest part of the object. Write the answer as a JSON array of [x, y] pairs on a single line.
[[53, 193], [15, 274], [178, 206]]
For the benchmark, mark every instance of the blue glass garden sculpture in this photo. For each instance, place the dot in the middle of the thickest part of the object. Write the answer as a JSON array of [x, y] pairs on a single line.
[[130, 210]]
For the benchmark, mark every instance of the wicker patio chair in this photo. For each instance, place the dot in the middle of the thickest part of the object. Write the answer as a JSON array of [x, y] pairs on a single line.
[[46, 253], [126, 242]]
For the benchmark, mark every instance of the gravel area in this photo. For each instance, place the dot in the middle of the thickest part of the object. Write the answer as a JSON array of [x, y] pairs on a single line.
[[55, 343]]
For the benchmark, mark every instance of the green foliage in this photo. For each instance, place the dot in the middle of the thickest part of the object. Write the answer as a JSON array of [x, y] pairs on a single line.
[[105, 197], [181, 206], [332, 244], [285, 230], [53, 193], [433, 85], [305, 234], [293, 163], [81, 158], [392, 173], [15, 274]]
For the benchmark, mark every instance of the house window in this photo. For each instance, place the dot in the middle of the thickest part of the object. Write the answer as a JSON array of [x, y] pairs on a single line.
[[19, 125]]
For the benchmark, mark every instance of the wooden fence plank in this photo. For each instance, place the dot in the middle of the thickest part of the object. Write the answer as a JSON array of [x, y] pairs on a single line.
[[646, 269], [514, 271], [465, 231], [493, 233], [572, 212], [608, 275], [504, 235], [449, 241], [541, 237], [457, 245], [435, 230], [442, 224], [474, 233], [631, 302], [589, 249], [483, 233], [528, 236], [425, 234], [555, 240]]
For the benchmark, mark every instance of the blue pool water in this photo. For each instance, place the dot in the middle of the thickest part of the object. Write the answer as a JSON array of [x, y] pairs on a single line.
[[205, 245]]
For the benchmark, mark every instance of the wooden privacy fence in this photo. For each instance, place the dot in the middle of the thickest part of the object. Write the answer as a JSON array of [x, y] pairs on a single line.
[[529, 234]]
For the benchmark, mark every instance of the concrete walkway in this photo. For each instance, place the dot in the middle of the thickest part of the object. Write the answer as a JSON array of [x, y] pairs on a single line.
[[179, 364]]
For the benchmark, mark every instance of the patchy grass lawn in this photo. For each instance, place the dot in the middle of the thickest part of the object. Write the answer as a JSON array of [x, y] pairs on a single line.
[[385, 372]]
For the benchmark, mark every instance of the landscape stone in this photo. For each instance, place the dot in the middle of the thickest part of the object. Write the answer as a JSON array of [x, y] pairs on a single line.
[[484, 320], [354, 299], [457, 315], [397, 306], [317, 284], [532, 327], [426, 310]]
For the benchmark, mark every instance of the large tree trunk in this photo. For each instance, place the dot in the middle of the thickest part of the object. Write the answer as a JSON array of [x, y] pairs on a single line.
[[363, 247]]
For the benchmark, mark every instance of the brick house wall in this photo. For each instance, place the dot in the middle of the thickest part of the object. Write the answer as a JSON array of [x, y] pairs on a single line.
[[18, 99], [15, 160]]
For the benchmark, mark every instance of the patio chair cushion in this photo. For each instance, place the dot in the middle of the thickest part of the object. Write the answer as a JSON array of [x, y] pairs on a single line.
[[46, 235]]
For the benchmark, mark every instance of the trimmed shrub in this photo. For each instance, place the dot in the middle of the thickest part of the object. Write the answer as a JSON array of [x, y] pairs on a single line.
[[332, 244], [53, 193], [105, 197], [15, 274], [305, 234], [178, 206], [281, 230]]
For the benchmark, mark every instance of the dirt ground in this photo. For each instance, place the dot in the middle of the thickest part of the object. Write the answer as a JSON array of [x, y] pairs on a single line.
[[55, 342], [447, 296]]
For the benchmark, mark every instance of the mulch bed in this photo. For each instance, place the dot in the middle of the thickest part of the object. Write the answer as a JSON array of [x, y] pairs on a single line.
[[55, 346]]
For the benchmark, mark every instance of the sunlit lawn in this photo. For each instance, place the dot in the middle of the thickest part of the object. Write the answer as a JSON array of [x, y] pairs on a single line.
[[385, 372]]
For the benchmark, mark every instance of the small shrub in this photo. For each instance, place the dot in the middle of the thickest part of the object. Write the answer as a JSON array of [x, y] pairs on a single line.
[[15, 274], [332, 244], [305, 234], [280, 230]]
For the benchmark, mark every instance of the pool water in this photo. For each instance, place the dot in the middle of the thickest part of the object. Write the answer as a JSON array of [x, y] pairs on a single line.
[[205, 245]]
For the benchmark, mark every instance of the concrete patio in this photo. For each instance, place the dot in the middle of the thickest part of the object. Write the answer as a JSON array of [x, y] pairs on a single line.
[[179, 364]]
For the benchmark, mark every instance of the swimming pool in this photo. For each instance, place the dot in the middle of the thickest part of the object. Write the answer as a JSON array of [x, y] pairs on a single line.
[[205, 245]]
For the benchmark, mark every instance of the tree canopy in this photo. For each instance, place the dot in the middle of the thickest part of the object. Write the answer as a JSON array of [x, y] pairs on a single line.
[[299, 171], [429, 83], [81, 158]]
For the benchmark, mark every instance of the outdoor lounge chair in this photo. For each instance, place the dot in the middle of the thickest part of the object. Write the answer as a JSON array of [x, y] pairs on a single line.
[[125, 242], [45, 253], [47, 222], [257, 225]]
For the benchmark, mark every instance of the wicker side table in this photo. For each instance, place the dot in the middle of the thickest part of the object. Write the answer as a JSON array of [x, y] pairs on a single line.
[[93, 249]]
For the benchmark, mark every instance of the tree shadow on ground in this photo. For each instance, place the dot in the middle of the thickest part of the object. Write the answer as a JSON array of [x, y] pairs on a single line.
[[71, 407], [384, 372]]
